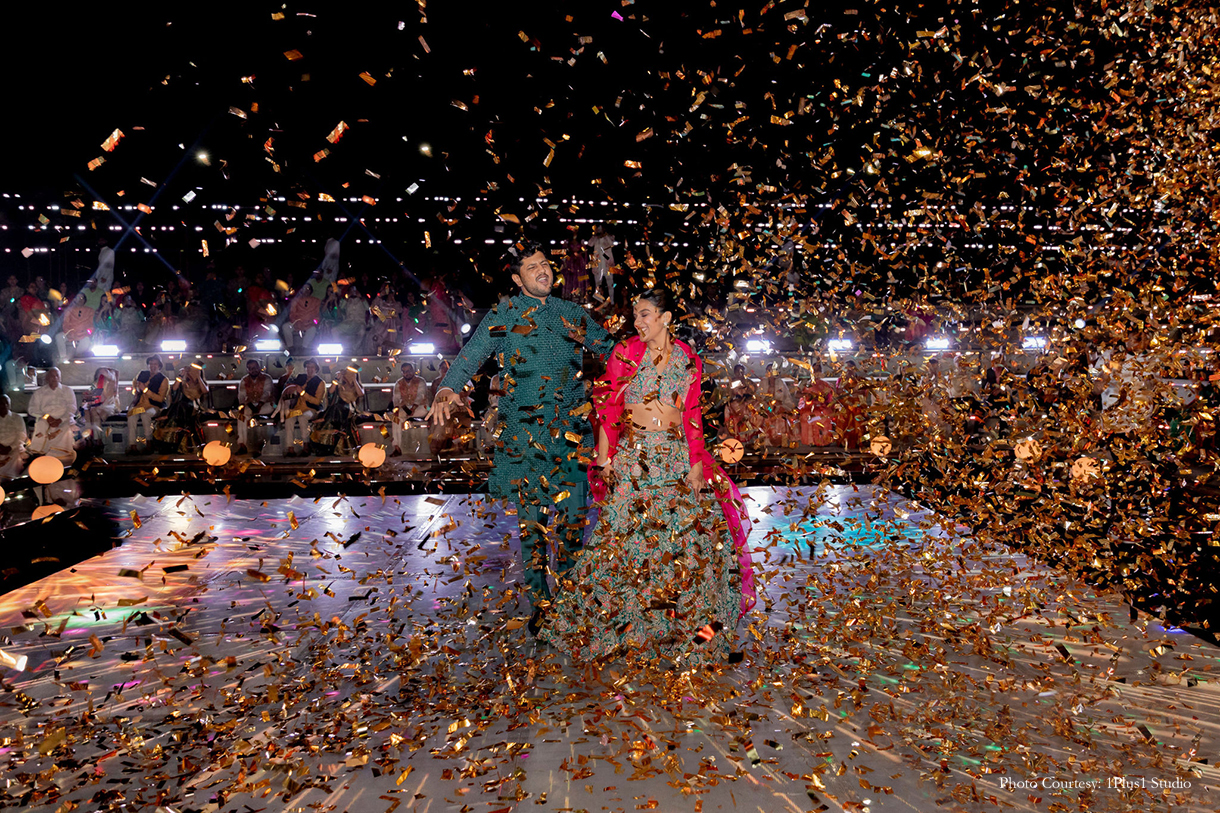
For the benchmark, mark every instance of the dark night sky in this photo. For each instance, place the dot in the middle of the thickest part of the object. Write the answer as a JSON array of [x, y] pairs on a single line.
[[176, 69], [873, 110]]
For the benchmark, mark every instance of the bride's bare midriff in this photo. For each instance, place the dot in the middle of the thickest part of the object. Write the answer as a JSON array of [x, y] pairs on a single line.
[[654, 417]]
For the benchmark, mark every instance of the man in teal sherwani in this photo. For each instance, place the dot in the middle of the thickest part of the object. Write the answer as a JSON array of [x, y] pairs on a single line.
[[539, 341]]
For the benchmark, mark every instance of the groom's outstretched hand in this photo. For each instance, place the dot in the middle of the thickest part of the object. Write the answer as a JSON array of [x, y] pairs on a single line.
[[442, 407]]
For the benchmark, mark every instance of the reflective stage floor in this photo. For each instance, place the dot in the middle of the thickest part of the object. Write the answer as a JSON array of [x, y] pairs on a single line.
[[369, 655]]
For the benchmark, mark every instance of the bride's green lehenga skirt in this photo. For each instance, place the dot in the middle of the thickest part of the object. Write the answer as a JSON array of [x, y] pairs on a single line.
[[660, 577]]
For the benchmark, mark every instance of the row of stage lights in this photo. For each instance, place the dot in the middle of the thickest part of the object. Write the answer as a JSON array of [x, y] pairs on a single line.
[[54, 207], [935, 344], [178, 346]]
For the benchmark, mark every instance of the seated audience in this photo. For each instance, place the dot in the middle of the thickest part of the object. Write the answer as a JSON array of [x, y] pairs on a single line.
[[410, 401], [336, 431], [254, 398], [12, 441], [149, 393], [300, 403], [101, 402], [180, 429], [54, 406]]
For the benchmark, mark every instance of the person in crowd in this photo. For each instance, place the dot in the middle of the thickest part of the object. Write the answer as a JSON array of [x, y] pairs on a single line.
[[76, 335], [851, 406], [54, 407], [540, 339], [254, 398], [385, 316], [149, 393], [416, 323], [664, 578], [95, 294], [774, 406], [12, 441], [815, 410], [300, 403], [224, 324], [288, 379], [142, 296], [410, 400], [35, 317], [180, 427], [575, 269], [238, 283], [260, 307], [443, 316], [162, 318], [601, 262], [335, 432], [192, 323], [11, 292], [352, 312], [101, 402], [303, 317], [128, 322]]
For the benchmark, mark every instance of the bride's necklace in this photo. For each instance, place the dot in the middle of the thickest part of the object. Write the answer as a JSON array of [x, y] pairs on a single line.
[[660, 360]]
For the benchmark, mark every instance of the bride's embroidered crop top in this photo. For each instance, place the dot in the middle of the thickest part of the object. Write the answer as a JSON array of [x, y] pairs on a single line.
[[668, 385]]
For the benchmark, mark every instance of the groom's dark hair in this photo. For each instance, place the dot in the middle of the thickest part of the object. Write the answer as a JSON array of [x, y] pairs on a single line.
[[517, 255]]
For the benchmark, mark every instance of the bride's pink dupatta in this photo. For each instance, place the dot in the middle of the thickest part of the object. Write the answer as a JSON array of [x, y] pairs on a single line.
[[608, 401]]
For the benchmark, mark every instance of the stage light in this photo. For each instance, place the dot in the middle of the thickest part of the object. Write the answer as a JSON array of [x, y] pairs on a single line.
[[17, 662], [268, 345], [1027, 449], [330, 349], [216, 453], [758, 346], [106, 351], [421, 348], [465, 328], [371, 455], [43, 511], [1084, 468], [425, 149], [1079, 323], [731, 450], [44, 338], [202, 157], [173, 346], [937, 343], [1034, 343], [46, 470], [838, 345]]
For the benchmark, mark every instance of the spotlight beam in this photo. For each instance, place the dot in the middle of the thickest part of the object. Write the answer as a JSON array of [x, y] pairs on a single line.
[[356, 221], [190, 153], [55, 327]]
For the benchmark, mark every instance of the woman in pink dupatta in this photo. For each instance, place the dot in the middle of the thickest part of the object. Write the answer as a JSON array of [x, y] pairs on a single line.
[[669, 573]]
